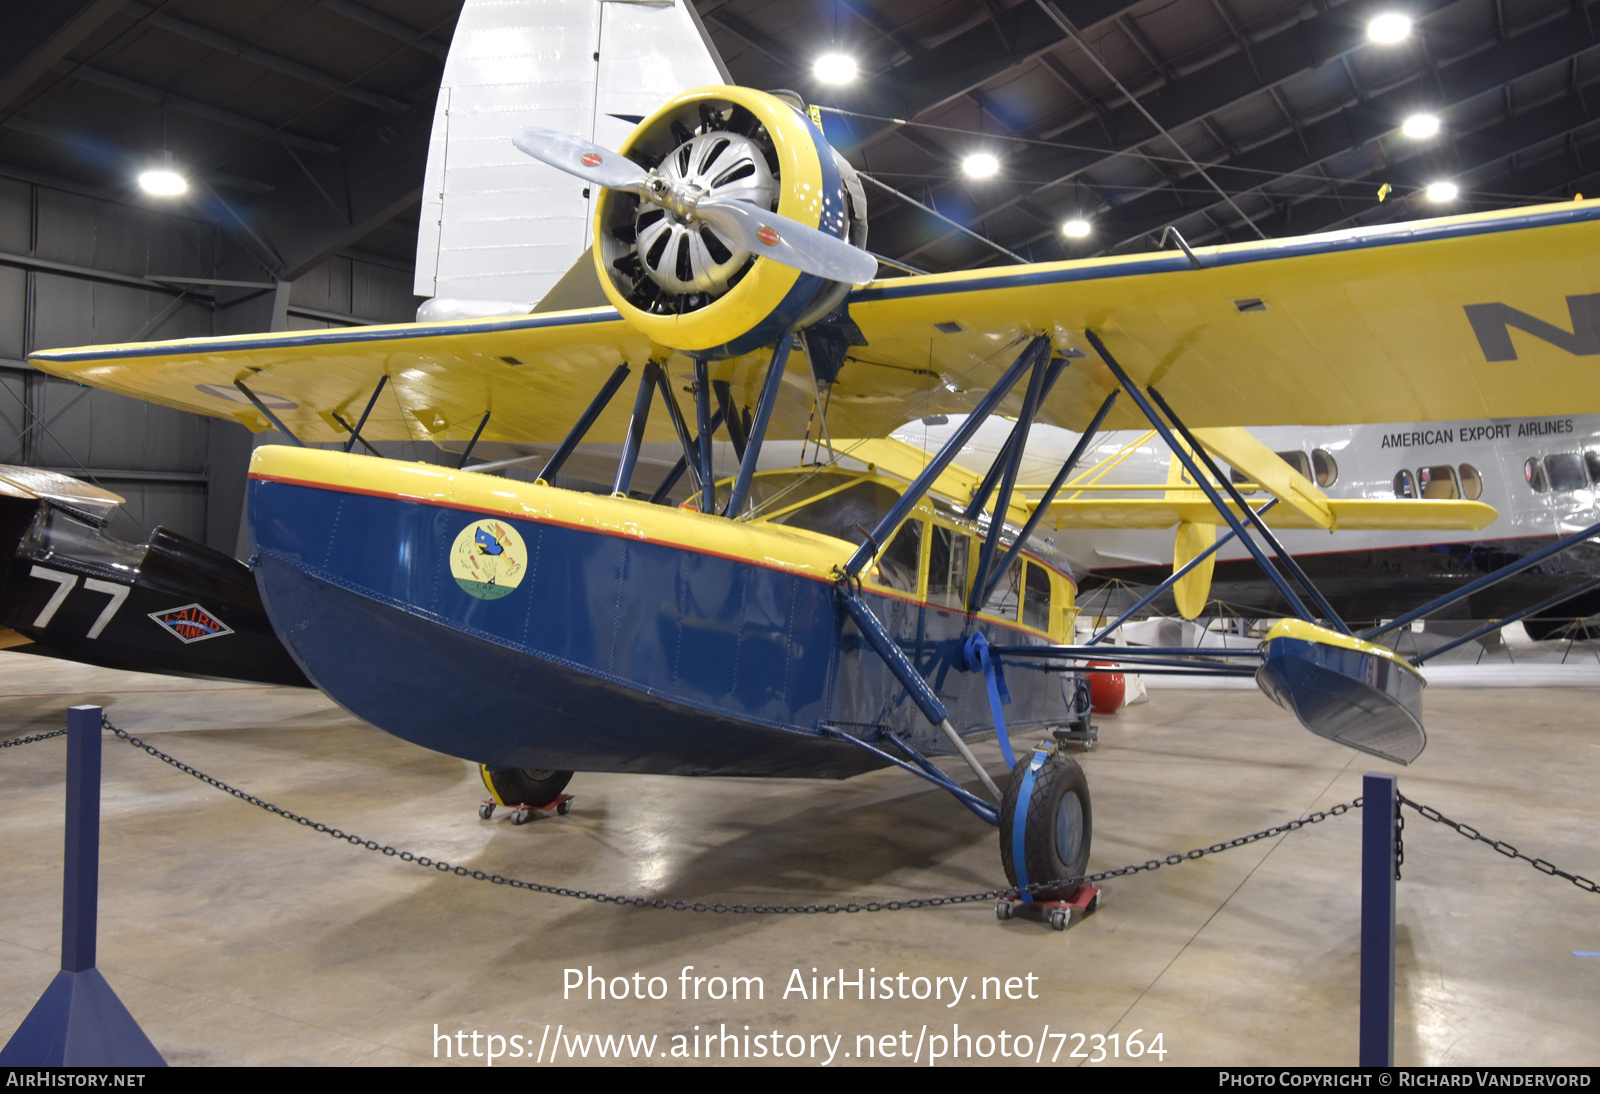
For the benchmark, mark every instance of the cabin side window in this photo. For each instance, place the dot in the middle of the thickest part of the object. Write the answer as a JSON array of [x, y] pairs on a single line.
[[1007, 592], [1438, 482], [1297, 460], [1471, 482], [1325, 466], [900, 562], [947, 568], [838, 515], [1404, 485], [1564, 471], [1533, 471], [1036, 597], [1591, 463]]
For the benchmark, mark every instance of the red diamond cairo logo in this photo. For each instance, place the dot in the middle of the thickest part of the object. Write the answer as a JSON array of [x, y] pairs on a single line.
[[769, 236], [191, 623], [589, 159]]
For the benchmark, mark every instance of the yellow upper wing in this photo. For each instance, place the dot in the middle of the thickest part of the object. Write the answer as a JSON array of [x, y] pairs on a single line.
[[1368, 325]]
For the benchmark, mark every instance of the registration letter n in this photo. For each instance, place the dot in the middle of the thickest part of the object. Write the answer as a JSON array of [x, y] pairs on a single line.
[[1492, 324]]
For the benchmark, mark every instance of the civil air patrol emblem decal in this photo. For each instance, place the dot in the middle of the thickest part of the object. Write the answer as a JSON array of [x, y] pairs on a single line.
[[191, 623], [488, 559]]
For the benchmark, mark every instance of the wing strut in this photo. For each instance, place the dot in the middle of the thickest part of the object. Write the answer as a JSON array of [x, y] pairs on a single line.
[[678, 424], [355, 434], [1177, 575], [1029, 356], [1050, 495], [553, 465], [474, 442], [1252, 516], [1004, 459], [702, 414], [1485, 581], [683, 464], [271, 417], [1044, 373], [636, 424], [1187, 459], [758, 431]]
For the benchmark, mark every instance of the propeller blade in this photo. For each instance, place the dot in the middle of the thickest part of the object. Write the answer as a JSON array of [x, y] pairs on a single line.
[[787, 241], [585, 159]]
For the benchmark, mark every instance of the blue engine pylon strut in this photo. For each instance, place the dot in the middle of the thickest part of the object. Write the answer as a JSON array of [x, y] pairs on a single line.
[[79, 1021]]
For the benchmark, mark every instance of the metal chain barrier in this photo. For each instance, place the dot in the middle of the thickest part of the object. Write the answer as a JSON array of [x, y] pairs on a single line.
[[1503, 847], [36, 737], [702, 906]]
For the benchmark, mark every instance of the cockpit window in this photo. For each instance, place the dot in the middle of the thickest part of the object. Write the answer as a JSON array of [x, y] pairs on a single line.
[[947, 568], [772, 492], [837, 515], [897, 566]]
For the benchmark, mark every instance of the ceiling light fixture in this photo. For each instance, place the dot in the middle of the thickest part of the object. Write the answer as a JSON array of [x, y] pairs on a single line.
[[980, 165], [163, 181], [1076, 228], [1442, 191], [1389, 28], [1420, 126], [834, 68]]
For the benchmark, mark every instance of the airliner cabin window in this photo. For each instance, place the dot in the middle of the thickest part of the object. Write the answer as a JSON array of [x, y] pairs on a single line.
[[1297, 460], [1323, 463], [1533, 471], [1438, 481], [1036, 597], [1404, 485], [1591, 461], [1471, 482], [947, 568], [1003, 601], [1564, 471], [1240, 478], [897, 566]]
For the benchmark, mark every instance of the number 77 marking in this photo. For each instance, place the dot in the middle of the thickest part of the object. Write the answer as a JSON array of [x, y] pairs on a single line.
[[67, 582]]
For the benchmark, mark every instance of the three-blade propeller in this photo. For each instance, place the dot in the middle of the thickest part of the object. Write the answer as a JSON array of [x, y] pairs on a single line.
[[757, 230]]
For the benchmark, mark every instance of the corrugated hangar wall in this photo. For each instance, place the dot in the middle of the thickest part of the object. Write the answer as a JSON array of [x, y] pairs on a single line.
[[79, 269]]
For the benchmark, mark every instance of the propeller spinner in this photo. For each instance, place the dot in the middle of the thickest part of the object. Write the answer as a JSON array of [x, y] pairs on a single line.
[[694, 190]]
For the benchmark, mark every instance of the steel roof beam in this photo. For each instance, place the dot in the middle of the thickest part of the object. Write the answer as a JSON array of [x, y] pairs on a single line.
[[393, 28], [1190, 97], [294, 69], [189, 106], [1300, 150], [38, 35], [341, 198]]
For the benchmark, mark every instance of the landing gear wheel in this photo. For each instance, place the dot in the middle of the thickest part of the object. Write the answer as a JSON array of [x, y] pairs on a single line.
[[1046, 811], [524, 785]]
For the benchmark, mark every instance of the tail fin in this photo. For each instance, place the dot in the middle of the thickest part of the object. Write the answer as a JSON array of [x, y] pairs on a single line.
[[498, 227]]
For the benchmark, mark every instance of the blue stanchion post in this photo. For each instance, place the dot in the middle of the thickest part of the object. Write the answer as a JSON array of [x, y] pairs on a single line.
[[79, 1021], [1380, 799]]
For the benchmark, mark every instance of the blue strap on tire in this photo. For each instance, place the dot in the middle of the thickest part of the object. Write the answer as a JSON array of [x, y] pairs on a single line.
[[1019, 822], [975, 654]]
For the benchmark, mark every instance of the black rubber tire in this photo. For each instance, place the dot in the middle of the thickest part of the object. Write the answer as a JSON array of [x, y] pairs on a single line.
[[525, 786], [1059, 804]]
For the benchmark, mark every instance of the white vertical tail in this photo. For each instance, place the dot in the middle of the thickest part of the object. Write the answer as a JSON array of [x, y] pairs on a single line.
[[498, 227]]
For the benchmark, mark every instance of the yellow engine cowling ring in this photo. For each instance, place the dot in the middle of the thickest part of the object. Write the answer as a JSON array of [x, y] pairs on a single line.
[[768, 298]]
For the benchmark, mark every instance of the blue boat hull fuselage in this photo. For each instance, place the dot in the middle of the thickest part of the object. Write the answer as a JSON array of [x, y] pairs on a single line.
[[613, 652]]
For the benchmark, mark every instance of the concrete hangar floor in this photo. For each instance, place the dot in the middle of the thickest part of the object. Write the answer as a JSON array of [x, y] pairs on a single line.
[[238, 938]]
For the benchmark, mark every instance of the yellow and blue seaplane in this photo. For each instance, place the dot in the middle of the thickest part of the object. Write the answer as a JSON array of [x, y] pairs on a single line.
[[820, 622]]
